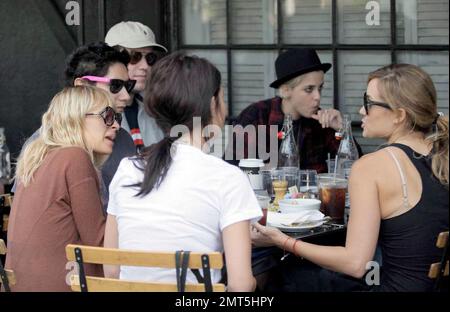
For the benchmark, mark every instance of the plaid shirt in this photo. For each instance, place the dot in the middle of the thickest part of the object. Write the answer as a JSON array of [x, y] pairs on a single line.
[[314, 142]]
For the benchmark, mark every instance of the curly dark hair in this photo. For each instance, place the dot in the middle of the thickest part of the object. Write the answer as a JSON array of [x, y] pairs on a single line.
[[92, 59]]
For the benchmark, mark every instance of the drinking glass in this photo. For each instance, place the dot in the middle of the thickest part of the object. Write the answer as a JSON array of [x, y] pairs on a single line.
[[264, 202], [307, 184], [332, 191], [330, 165], [279, 186], [266, 176], [290, 175]]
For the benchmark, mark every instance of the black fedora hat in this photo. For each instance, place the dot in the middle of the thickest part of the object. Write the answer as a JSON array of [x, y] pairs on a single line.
[[296, 62]]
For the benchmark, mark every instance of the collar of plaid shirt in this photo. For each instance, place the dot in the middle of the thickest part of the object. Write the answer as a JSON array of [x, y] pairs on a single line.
[[313, 142], [276, 117]]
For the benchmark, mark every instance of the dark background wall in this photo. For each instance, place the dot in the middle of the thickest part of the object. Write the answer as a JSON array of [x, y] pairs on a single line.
[[34, 42]]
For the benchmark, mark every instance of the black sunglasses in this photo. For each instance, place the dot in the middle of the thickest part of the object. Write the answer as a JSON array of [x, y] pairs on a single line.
[[109, 116], [115, 85], [136, 57], [368, 103]]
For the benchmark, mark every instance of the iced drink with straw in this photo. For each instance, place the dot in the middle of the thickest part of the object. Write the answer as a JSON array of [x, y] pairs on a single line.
[[332, 191]]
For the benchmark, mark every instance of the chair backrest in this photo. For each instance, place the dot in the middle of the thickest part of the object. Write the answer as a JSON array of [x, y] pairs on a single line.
[[5, 207], [6, 200], [98, 255], [7, 277], [440, 269]]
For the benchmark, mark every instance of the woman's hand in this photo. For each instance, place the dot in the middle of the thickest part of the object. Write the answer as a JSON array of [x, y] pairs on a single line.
[[264, 236], [329, 118]]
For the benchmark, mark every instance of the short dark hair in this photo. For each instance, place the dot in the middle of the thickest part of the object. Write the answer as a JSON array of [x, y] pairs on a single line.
[[92, 59]]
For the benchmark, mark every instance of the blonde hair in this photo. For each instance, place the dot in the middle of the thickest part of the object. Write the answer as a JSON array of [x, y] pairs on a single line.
[[62, 126], [411, 88], [291, 84]]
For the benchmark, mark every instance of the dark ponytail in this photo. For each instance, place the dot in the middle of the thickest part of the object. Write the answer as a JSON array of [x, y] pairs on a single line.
[[179, 88], [158, 160]]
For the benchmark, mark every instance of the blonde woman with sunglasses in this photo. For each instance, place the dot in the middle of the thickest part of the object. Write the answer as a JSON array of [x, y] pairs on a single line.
[[57, 201], [398, 194], [99, 65]]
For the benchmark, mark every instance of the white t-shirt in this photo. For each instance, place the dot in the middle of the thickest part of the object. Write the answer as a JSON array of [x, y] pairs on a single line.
[[200, 196]]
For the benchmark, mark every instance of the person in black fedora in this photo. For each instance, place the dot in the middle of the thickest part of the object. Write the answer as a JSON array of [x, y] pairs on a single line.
[[300, 79], [296, 62]]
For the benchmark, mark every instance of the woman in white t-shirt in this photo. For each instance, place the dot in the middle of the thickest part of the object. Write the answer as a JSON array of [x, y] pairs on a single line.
[[175, 196]]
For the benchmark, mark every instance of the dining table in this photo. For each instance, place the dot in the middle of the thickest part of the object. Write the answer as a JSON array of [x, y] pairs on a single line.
[[277, 269]]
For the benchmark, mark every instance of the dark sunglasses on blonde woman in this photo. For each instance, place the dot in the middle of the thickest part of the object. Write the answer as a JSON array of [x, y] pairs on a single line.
[[109, 116], [369, 103]]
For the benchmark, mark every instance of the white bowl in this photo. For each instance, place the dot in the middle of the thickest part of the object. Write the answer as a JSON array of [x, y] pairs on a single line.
[[298, 204]]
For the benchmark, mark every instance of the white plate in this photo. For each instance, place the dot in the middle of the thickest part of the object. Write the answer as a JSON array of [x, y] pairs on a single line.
[[296, 228]]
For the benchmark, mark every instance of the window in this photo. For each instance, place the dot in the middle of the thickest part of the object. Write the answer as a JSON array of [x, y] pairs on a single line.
[[250, 76], [243, 38], [436, 64], [422, 22], [253, 22], [204, 22], [307, 22]]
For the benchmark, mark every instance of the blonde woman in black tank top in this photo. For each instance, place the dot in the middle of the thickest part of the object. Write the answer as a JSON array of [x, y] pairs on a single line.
[[398, 194]]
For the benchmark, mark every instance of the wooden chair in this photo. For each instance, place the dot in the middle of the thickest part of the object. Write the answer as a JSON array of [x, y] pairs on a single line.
[[440, 269], [7, 277], [5, 208], [179, 260]]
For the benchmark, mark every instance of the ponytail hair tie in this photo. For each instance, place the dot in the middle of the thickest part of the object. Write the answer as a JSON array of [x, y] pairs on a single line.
[[169, 138], [434, 124], [439, 114]]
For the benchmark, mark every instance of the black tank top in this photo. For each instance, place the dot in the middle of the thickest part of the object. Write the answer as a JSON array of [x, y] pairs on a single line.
[[408, 241]]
